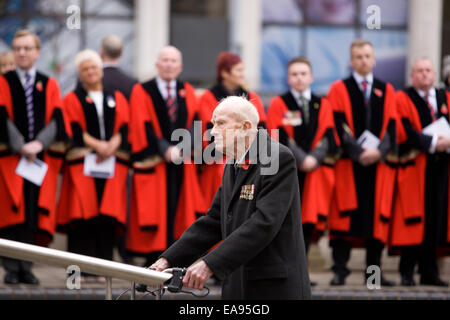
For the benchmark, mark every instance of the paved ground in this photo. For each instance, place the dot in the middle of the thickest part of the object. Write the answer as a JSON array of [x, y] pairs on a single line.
[[53, 282]]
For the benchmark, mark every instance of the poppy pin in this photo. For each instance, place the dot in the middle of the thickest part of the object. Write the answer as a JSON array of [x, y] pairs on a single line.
[[39, 86], [378, 92], [89, 99], [182, 93], [246, 164], [444, 109]]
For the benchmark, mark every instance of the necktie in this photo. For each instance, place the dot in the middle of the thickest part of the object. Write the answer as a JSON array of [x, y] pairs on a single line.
[[171, 106], [430, 107], [29, 104], [305, 108], [364, 84]]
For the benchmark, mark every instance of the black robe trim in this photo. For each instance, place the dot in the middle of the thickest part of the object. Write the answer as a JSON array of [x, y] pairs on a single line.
[[364, 117], [159, 104], [174, 173], [20, 106], [93, 126]]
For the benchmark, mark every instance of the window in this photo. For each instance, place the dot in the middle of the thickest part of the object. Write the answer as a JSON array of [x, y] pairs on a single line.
[[48, 19], [323, 30]]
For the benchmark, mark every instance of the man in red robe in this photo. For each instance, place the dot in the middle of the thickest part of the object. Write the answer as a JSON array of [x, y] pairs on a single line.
[[305, 124], [31, 120], [166, 193], [420, 224], [365, 117]]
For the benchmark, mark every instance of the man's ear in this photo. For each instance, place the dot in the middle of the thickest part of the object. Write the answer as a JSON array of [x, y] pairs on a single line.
[[247, 124]]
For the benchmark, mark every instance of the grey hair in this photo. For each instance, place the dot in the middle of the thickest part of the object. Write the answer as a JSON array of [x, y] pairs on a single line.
[[88, 54], [241, 108]]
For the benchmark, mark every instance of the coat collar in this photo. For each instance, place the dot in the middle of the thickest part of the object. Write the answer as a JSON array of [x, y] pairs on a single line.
[[252, 162]]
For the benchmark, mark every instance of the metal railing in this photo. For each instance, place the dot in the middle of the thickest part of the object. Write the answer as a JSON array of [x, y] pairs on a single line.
[[100, 267]]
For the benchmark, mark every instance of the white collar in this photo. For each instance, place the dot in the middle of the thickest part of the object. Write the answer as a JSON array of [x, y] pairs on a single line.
[[163, 84], [21, 73], [297, 94], [431, 93], [359, 78]]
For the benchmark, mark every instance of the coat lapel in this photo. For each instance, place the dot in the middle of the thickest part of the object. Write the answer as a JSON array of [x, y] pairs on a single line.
[[260, 143]]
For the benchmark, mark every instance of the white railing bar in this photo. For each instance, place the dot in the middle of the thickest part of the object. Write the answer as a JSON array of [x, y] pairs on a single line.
[[100, 267]]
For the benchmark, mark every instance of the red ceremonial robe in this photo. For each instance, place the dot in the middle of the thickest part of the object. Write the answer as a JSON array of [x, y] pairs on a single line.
[[47, 106], [362, 205], [149, 122], [316, 187], [420, 195], [83, 197], [211, 174]]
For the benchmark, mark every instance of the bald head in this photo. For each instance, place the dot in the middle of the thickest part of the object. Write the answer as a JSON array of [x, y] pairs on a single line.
[[423, 75], [112, 47], [169, 64]]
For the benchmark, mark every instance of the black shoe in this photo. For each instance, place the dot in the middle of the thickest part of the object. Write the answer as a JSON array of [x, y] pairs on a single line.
[[387, 283], [313, 283], [408, 281], [433, 282], [28, 278], [338, 280], [11, 278]]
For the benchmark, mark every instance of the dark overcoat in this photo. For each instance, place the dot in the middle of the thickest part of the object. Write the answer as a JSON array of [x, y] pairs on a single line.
[[256, 218]]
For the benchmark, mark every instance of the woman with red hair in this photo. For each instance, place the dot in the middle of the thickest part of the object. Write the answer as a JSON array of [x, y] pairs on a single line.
[[230, 81]]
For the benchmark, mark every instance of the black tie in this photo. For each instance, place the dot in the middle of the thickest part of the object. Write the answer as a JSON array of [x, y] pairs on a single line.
[[236, 172]]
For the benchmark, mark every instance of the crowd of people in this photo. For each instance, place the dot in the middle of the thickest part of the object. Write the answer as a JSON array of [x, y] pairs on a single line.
[[368, 175]]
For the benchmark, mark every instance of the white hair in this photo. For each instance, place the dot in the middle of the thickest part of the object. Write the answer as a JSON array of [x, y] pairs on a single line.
[[88, 54], [241, 108]]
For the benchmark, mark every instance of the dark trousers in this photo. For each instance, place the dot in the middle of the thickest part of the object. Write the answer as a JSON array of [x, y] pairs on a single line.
[[423, 255], [308, 230], [17, 233], [341, 255], [93, 237]]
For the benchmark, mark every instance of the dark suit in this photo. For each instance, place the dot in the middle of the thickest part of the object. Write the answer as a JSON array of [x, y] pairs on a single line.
[[262, 253], [115, 79]]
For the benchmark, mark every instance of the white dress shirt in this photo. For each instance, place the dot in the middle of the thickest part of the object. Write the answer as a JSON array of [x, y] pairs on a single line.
[[298, 95], [433, 102], [21, 74], [162, 86], [97, 96], [359, 79], [431, 97]]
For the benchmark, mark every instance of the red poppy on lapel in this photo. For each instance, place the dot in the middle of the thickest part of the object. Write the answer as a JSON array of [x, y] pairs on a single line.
[[39, 86], [246, 164], [444, 109], [182, 93], [378, 92], [89, 99]]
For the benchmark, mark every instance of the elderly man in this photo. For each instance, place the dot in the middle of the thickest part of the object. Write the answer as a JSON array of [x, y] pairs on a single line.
[[166, 194], [421, 215], [255, 214]]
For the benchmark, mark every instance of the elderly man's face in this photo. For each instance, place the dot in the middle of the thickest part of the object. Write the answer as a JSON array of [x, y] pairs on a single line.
[[226, 131], [90, 73], [169, 64], [423, 75]]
